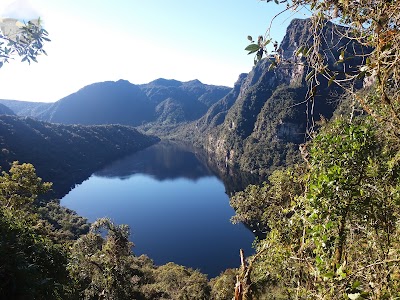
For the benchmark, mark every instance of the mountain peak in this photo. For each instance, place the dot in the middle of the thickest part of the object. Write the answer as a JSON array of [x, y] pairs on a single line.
[[193, 82], [166, 82], [123, 81]]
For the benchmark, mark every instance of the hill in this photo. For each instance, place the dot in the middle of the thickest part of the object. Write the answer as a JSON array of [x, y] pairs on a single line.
[[161, 101], [5, 110], [66, 154], [259, 125], [25, 108]]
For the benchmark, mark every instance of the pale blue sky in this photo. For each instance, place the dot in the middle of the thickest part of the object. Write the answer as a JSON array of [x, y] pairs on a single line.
[[99, 40]]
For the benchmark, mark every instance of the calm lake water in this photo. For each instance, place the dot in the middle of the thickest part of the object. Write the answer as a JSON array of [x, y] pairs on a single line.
[[176, 208]]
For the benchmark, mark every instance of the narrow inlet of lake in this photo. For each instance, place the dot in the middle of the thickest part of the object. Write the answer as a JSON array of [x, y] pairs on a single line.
[[176, 208]]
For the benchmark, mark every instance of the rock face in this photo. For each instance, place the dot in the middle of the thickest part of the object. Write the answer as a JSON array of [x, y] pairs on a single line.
[[259, 125]]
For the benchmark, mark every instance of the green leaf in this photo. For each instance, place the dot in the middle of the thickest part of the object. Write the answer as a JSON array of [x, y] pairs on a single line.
[[331, 80], [341, 56], [300, 50], [319, 260], [361, 75], [252, 48], [249, 37], [272, 65], [309, 75], [356, 284], [329, 275]]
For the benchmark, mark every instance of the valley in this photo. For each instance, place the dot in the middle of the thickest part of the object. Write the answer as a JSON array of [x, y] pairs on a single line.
[[295, 161]]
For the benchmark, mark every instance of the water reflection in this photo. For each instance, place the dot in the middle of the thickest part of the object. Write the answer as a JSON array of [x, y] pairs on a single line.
[[164, 160], [175, 205], [169, 160]]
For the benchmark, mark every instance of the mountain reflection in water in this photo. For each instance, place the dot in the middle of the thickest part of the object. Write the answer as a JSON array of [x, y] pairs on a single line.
[[165, 160], [176, 207]]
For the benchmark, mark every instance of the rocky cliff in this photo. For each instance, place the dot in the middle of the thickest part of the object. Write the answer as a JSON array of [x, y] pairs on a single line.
[[260, 124]]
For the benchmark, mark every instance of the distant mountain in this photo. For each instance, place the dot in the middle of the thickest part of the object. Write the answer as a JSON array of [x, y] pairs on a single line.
[[259, 125], [4, 110], [256, 126], [177, 102], [25, 108], [102, 103], [161, 101], [66, 154]]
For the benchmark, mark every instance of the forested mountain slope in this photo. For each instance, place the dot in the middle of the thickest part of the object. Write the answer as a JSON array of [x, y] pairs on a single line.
[[162, 101], [260, 124], [65, 154]]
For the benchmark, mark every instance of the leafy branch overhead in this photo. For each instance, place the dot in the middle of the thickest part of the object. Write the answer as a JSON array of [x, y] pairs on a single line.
[[260, 48], [24, 40]]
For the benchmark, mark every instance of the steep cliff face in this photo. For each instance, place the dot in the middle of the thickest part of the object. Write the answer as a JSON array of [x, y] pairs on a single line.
[[259, 125]]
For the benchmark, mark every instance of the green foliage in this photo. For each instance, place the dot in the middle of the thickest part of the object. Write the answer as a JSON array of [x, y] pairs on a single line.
[[66, 154], [259, 48], [32, 265], [261, 207], [101, 267], [338, 235], [172, 281], [65, 224], [39, 258], [20, 187], [222, 286], [26, 41], [353, 200]]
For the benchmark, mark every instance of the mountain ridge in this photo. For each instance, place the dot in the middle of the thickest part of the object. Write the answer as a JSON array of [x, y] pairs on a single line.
[[256, 126], [121, 102], [66, 154], [259, 125]]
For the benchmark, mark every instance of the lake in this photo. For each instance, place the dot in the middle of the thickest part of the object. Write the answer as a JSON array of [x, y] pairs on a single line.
[[176, 207]]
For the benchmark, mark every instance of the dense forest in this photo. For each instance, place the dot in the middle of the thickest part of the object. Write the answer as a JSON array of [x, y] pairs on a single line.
[[327, 215], [66, 154]]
